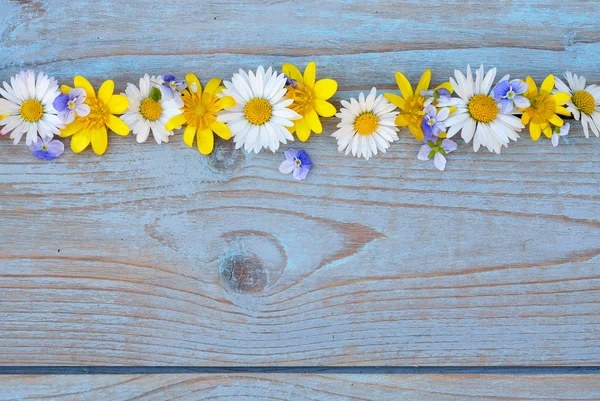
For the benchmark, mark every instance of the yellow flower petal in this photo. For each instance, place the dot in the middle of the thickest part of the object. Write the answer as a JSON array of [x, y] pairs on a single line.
[[324, 108], [562, 111], [526, 117], [72, 128], [325, 88], [531, 88], [312, 119], [404, 85], [548, 84], [424, 81], [417, 131], [293, 72], [395, 100], [80, 141], [193, 83], [535, 130], [3, 117], [189, 134], [65, 89], [401, 120], [310, 74], [561, 98], [118, 104], [117, 125], [81, 82], [106, 91], [302, 129], [221, 129], [212, 86], [219, 90], [547, 130], [206, 141], [175, 122], [226, 102], [99, 140], [556, 120]]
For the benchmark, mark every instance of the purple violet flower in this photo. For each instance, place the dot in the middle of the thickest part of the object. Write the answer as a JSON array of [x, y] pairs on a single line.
[[71, 105], [509, 94], [297, 162], [442, 95], [170, 87], [433, 121], [47, 148], [560, 131], [437, 149]]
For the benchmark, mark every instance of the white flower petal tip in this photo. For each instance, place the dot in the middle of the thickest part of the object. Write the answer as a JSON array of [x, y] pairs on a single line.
[[262, 114], [367, 125]]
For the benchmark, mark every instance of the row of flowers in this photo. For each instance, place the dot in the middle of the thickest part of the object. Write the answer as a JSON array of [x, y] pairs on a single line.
[[260, 110]]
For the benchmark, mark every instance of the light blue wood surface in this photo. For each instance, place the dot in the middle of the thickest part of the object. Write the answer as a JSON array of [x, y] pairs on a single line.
[[156, 255]]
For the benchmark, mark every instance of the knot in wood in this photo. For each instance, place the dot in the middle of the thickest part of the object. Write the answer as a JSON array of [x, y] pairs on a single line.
[[243, 273]]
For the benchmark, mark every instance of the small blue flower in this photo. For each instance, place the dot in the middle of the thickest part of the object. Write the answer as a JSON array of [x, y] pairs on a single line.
[[433, 121], [170, 87], [290, 82], [297, 162], [442, 95], [47, 148], [560, 131], [436, 149], [71, 105], [509, 94]]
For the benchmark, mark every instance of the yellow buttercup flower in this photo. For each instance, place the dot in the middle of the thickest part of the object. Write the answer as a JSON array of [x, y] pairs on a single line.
[[94, 127], [544, 109], [310, 99], [200, 110], [411, 103]]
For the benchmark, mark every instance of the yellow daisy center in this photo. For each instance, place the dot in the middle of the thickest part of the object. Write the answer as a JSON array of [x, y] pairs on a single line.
[[413, 109], [98, 116], [584, 101], [150, 109], [200, 111], [303, 96], [483, 108], [542, 107], [258, 111], [366, 123], [32, 110]]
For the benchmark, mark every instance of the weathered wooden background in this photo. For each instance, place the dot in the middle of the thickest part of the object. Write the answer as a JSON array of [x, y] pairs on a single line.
[[157, 256]]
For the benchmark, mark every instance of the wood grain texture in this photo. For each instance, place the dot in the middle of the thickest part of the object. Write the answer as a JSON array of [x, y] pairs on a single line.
[[156, 255], [300, 387]]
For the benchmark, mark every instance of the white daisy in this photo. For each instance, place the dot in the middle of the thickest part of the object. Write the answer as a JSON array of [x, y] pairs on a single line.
[[28, 104], [367, 125], [149, 111], [584, 103], [261, 115], [477, 114]]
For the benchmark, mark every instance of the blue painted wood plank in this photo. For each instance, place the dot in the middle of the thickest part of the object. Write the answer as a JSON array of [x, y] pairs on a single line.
[[156, 255]]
